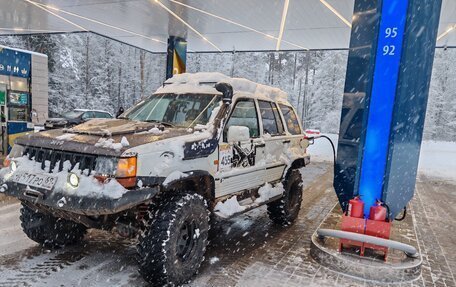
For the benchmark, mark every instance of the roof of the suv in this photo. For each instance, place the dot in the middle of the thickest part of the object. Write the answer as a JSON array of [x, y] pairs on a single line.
[[203, 83], [87, 110]]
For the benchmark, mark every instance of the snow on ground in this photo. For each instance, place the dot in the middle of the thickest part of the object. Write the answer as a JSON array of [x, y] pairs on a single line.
[[437, 158], [12, 238], [228, 207]]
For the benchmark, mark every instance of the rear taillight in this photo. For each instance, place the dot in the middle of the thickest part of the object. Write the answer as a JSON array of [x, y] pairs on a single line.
[[126, 171]]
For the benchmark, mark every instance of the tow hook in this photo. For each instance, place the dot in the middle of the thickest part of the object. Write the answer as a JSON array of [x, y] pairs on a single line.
[[35, 194], [61, 203]]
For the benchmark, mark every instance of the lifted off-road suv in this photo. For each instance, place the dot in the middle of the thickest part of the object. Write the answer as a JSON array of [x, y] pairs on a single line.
[[203, 143]]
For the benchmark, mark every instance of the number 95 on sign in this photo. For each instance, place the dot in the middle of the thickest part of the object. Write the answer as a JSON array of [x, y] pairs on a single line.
[[388, 50]]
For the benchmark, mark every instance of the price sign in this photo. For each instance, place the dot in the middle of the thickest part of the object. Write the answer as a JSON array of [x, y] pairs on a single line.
[[386, 73]]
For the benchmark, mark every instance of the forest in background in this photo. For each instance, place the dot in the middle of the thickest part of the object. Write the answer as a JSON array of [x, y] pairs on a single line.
[[91, 71]]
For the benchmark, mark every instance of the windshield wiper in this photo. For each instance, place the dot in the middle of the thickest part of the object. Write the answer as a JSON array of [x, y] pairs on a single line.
[[160, 122]]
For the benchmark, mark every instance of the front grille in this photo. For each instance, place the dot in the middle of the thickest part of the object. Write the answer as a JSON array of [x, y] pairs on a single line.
[[56, 158]]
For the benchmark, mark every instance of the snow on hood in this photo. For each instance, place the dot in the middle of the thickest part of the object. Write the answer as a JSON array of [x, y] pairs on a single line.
[[204, 83], [101, 136], [110, 127]]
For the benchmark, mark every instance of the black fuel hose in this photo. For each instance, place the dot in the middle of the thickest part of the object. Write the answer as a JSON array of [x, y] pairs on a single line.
[[332, 145], [404, 214]]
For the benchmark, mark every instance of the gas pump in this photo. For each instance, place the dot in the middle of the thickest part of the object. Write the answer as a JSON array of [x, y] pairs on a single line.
[[18, 116], [3, 137], [16, 83]]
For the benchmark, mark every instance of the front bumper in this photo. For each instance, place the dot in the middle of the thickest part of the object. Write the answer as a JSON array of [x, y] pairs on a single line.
[[90, 206]]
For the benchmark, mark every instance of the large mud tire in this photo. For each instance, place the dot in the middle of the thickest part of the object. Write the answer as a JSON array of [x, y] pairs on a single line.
[[50, 231], [171, 248], [285, 210]]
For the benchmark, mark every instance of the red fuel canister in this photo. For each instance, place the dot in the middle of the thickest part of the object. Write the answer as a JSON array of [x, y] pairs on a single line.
[[356, 207], [377, 212]]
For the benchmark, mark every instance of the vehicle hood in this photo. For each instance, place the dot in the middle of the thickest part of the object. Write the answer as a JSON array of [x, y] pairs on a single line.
[[89, 136]]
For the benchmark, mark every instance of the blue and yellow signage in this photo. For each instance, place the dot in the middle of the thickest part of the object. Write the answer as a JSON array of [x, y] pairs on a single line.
[[177, 55], [15, 63]]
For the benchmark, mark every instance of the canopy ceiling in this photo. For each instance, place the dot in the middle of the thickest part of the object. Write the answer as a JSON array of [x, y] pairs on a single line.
[[211, 25]]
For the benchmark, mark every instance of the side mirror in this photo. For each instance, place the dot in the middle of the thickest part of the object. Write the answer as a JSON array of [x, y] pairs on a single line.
[[238, 134]]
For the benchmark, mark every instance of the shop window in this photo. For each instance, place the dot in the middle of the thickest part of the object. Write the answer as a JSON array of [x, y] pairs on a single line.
[[19, 84]]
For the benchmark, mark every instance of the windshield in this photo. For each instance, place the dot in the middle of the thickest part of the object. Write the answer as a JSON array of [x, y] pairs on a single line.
[[185, 110], [72, 114]]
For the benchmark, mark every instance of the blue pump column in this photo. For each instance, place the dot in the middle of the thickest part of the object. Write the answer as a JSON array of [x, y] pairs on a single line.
[[387, 84]]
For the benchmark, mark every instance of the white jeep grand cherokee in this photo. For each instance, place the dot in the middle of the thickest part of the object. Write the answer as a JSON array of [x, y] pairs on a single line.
[[203, 143]]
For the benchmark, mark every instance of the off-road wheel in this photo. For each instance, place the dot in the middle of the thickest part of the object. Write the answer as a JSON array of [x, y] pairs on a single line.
[[172, 247], [285, 210], [50, 231]]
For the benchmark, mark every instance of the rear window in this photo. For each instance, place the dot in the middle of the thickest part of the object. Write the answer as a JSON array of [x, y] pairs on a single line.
[[291, 120], [102, 115]]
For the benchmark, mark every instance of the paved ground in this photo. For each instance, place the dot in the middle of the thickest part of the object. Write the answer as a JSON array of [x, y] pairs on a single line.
[[245, 251]]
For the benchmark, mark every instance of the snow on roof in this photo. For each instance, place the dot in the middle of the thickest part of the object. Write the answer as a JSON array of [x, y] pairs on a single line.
[[204, 83], [23, 51], [88, 110]]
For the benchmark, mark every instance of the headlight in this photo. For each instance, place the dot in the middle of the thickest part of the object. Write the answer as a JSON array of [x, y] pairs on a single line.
[[13, 166], [73, 179], [16, 151], [106, 165]]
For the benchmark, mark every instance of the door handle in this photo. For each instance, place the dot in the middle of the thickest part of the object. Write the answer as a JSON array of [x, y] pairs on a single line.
[[287, 141], [260, 145]]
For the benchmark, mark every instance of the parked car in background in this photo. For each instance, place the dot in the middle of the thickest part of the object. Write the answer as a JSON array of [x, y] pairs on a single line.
[[75, 117]]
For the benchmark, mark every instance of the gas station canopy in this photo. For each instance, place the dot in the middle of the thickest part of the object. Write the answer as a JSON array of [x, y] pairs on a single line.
[[208, 25]]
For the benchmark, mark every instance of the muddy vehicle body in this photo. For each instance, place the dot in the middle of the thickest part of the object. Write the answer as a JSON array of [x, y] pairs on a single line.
[[203, 143]]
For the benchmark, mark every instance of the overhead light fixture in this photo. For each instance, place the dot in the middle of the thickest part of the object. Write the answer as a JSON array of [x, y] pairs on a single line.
[[332, 9], [237, 24], [56, 15], [448, 31], [18, 29], [100, 23], [282, 23], [186, 24]]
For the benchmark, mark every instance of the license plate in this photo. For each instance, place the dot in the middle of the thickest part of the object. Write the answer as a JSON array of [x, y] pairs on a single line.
[[49, 125], [35, 180]]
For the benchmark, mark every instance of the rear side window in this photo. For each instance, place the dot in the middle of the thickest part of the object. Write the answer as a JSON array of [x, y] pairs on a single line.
[[291, 120], [272, 123], [88, 115], [244, 114], [102, 115]]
